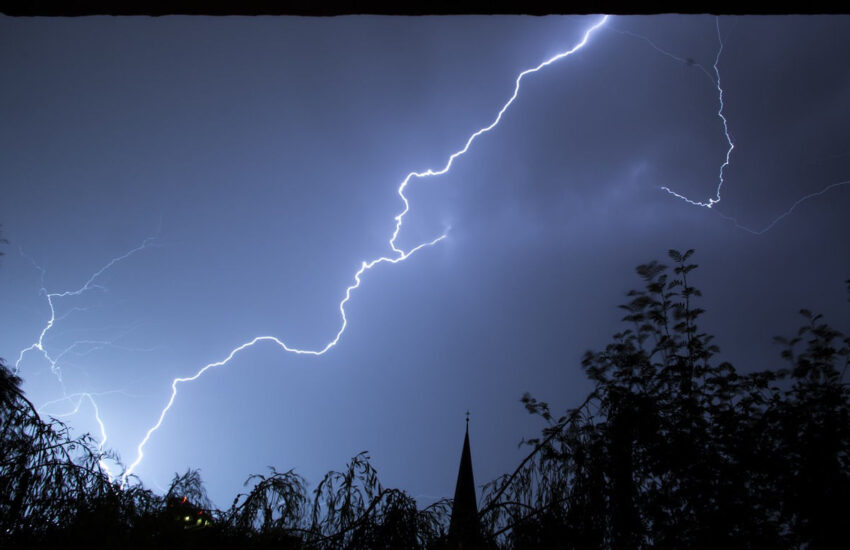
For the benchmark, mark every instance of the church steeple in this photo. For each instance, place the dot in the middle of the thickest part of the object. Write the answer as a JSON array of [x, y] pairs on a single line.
[[464, 527]]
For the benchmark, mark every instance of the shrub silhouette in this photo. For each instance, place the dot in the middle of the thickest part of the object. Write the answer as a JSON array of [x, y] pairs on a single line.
[[54, 492]]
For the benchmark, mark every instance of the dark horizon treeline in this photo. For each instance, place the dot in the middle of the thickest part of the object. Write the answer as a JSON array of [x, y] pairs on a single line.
[[669, 450]]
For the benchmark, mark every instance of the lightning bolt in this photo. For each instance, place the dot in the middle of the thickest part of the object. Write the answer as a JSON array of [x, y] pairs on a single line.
[[399, 254], [716, 199], [55, 368], [711, 200], [89, 285]]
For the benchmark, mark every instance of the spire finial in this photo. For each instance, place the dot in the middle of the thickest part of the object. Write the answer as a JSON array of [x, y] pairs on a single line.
[[467, 418]]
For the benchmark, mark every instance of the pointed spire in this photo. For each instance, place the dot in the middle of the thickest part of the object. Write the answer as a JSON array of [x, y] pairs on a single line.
[[464, 528]]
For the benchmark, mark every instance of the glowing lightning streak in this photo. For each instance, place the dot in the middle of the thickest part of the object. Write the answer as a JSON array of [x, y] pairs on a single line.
[[103, 435], [486, 129], [54, 361], [89, 285], [402, 255], [711, 200]]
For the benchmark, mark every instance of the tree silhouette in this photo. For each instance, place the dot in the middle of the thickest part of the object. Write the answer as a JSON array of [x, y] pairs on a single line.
[[672, 449]]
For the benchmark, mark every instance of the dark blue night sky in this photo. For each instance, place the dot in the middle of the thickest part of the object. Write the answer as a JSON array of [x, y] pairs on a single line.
[[258, 159]]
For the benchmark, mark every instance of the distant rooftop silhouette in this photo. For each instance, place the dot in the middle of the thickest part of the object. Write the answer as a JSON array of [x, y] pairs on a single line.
[[464, 527]]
